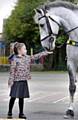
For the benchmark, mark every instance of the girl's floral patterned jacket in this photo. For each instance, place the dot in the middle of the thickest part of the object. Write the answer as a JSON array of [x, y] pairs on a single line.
[[20, 67]]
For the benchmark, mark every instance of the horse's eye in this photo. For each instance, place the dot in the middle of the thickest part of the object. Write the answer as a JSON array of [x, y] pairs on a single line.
[[41, 25]]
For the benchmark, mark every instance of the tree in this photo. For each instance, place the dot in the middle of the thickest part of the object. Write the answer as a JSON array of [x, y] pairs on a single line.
[[20, 25]]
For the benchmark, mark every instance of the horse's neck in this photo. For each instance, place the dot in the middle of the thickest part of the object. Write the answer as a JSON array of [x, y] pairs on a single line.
[[69, 20]]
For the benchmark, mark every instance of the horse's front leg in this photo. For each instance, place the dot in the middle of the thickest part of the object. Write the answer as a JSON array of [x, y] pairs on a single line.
[[72, 87]]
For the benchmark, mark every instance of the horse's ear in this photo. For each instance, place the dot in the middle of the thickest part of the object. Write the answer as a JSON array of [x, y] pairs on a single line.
[[35, 10], [38, 10]]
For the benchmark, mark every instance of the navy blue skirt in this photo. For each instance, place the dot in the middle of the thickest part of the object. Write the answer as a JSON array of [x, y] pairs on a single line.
[[20, 89]]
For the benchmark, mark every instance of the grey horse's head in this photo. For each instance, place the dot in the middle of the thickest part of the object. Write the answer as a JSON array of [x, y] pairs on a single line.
[[48, 27]]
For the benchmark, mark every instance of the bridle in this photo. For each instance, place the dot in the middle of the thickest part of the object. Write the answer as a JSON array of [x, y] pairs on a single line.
[[50, 32]]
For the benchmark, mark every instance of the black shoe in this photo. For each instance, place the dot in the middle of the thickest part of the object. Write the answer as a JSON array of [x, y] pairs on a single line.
[[9, 116], [22, 116]]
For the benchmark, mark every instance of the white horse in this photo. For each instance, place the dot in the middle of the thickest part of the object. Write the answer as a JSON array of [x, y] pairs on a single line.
[[50, 17]]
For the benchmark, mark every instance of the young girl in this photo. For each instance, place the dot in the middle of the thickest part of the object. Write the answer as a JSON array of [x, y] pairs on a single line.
[[19, 74]]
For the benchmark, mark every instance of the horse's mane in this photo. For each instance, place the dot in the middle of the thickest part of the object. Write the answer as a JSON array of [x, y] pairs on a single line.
[[64, 4]]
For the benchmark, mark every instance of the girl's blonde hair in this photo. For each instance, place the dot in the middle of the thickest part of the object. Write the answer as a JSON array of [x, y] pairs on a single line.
[[12, 44], [18, 46]]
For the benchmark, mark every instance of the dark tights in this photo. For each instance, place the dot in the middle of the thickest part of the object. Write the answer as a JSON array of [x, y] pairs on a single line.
[[21, 104]]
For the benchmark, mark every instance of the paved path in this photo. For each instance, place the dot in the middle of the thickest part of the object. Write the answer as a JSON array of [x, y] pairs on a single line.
[[48, 96]]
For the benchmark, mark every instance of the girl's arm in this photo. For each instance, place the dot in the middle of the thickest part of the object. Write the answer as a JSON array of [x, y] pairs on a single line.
[[39, 55], [12, 73]]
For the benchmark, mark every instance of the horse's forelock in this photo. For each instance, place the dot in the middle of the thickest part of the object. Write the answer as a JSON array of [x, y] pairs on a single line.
[[38, 12]]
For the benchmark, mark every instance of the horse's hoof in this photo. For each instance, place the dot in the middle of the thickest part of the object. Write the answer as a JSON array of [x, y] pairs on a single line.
[[69, 114]]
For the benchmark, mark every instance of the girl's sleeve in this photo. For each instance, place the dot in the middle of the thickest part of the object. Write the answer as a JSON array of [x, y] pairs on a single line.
[[39, 55], [12, 72]]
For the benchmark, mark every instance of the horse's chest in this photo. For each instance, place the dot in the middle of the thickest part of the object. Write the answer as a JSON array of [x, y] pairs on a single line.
[[72, 52]]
